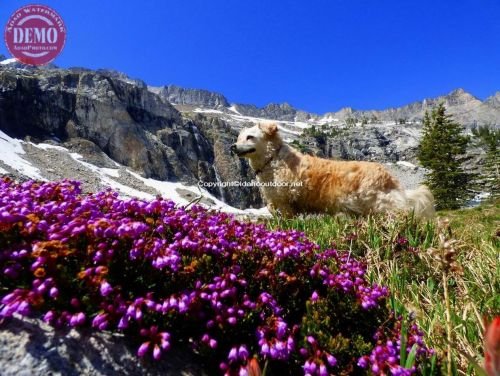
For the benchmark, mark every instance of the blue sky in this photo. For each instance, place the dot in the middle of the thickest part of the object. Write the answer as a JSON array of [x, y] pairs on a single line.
[[316, 55]]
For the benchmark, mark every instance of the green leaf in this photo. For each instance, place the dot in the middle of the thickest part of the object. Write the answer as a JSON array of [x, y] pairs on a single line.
[[403, 340], [410, 361]]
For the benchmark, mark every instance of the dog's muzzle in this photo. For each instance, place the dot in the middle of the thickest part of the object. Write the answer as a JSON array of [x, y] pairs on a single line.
[[241, 150]]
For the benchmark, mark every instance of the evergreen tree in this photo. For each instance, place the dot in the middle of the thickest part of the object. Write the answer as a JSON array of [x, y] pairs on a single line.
[[442, 151], [489, 138]]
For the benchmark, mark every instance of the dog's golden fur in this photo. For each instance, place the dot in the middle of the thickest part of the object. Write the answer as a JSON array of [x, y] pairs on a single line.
[[317, 185]]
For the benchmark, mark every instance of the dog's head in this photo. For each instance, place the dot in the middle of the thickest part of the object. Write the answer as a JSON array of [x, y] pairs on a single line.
[[255, 141]]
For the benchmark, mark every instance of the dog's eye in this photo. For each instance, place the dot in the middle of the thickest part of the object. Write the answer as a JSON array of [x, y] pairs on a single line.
[[250, 138]]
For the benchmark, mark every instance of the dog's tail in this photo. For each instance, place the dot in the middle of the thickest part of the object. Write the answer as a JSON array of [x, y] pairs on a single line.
[[421, 201]]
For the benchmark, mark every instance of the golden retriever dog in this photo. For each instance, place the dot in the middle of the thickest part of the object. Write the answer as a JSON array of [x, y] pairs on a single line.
[[293, 183]]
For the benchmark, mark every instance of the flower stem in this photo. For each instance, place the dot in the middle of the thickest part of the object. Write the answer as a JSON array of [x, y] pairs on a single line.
[[448, 323]]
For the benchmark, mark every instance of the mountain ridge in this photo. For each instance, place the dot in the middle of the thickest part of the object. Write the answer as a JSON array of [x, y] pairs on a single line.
[[468, 108]]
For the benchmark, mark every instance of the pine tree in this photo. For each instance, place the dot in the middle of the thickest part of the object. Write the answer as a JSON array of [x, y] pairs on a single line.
[[488, 138], [442, 151]]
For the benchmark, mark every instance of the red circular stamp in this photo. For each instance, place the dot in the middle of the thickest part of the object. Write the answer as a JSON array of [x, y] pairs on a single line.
[[35, 34]]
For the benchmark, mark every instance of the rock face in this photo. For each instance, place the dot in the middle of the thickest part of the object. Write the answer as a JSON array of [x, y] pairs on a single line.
[[32, 348], [195, 97], [122, 119], [273, 111], [228, 168], [369, 143]]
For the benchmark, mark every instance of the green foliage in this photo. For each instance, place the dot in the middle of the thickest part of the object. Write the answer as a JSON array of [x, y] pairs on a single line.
[[322, 133], [442, 150], [488, 136], [351, 122], [374, 119], [300, 146], [318, 134]]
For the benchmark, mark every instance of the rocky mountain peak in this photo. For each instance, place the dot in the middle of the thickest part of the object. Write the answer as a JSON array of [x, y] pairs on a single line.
[[345, 112], [273, 111], [279, 111], [493, 101], [460, 96], [195, 97], [282, 106], [457, 92], [112, 73]]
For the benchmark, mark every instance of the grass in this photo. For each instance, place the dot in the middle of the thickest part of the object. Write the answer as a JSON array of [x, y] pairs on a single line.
[[445, 272]]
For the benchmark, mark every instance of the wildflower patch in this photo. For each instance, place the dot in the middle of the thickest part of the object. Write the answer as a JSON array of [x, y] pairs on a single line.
[[239, 295]]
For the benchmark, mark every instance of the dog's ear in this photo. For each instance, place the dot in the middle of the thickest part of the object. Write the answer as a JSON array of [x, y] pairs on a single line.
[[269, 129]]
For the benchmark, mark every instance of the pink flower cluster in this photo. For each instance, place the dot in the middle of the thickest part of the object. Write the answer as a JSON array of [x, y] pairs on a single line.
[[385, 356]]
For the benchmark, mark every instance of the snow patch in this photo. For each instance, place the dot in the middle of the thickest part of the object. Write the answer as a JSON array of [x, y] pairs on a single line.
[[154, 89], [406, 164], [11, 150], [49, 146], [8, 61], [105, 175], [233, 109], [165, 188], [327, 119], [477, 199], [207, 111], [169, 190]]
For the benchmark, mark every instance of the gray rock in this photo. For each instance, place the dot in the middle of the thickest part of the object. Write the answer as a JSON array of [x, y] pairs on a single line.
[[90, 152], [370, 143], [29, 347]]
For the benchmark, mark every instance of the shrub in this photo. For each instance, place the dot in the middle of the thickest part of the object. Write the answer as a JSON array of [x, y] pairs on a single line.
[[235, 292]]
